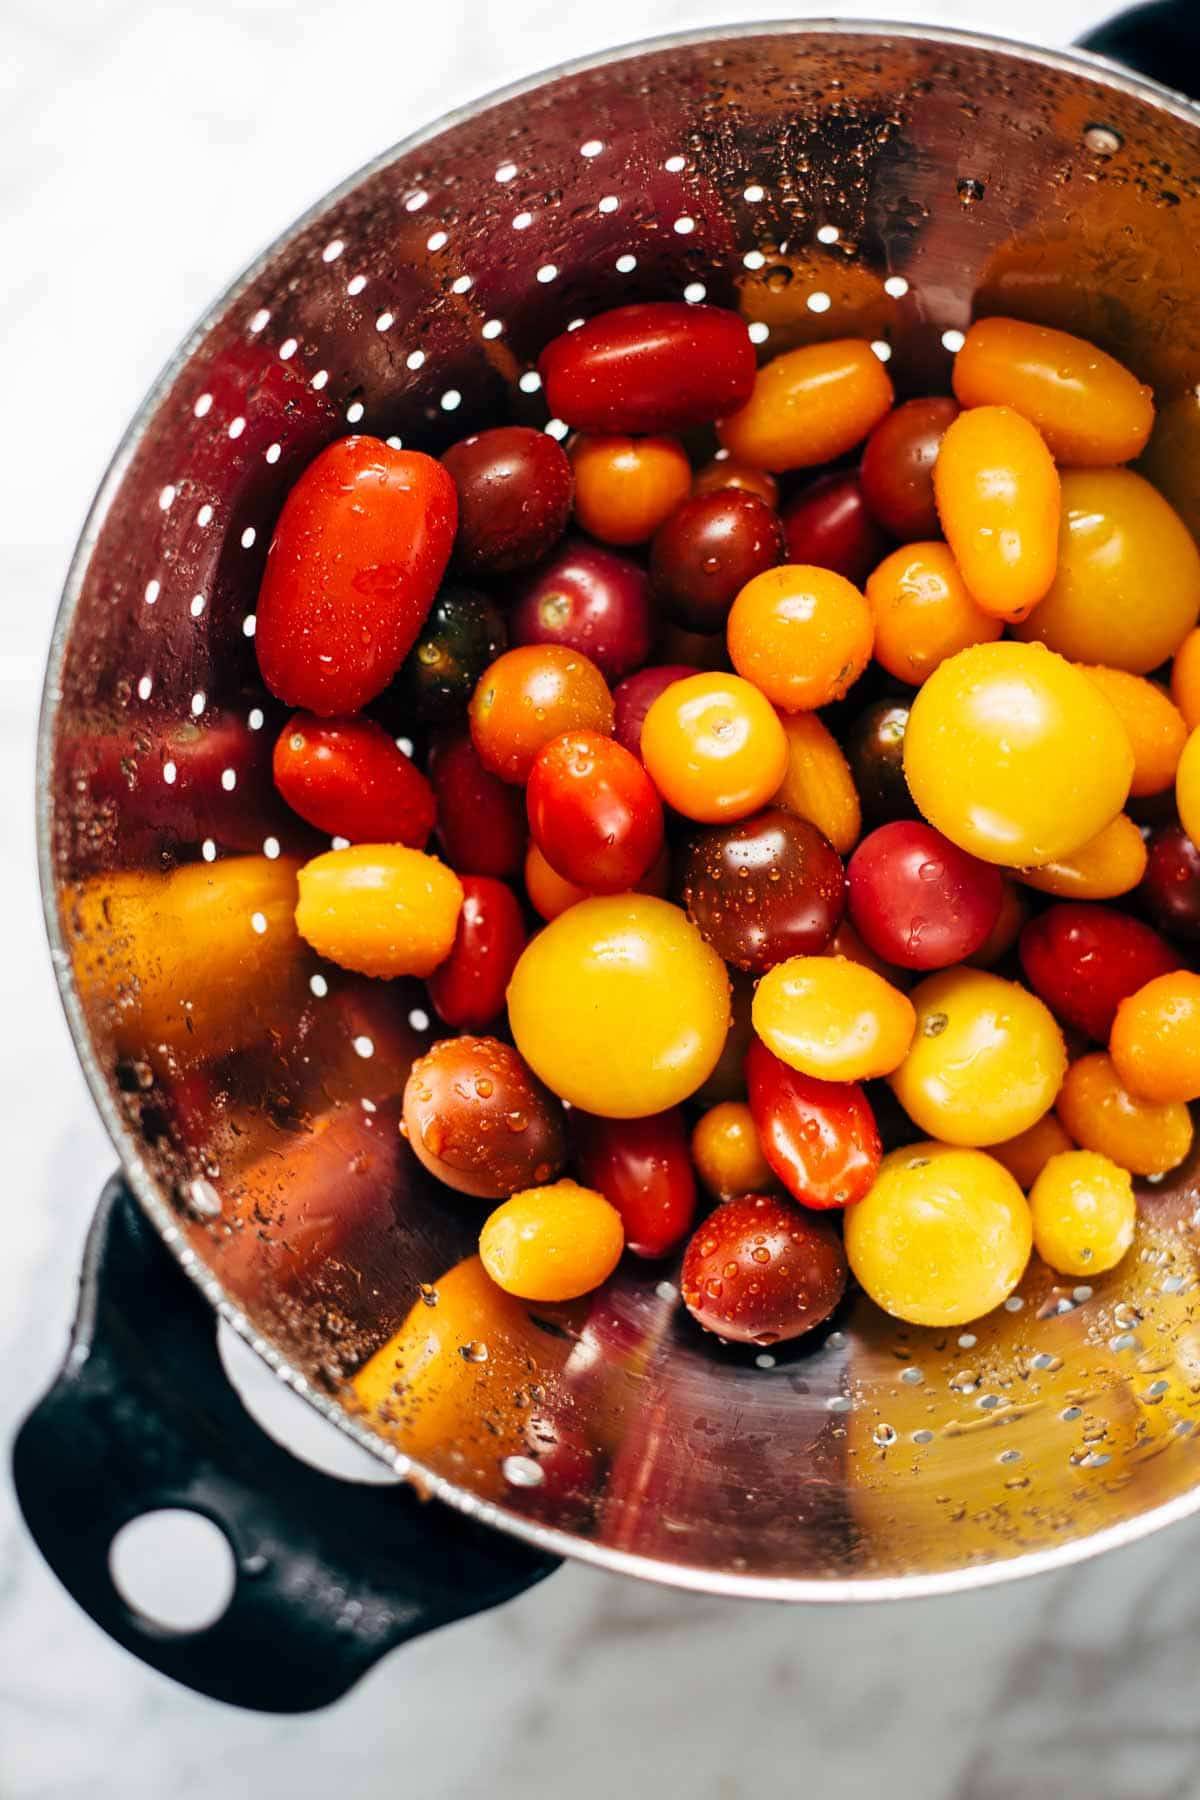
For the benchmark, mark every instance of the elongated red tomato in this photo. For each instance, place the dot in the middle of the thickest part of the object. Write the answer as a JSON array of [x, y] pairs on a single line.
[[642, 1167], [481, 819], [660, 365], [1083, 960], [357, 555], [820, 1137], [594, 812], [468, 989], [348, 777]]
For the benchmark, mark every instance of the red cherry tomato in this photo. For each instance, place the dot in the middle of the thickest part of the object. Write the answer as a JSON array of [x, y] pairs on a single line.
[[468, 989], [1083, 960], [919, 901], [514, 498], [820, 1137], [361, 545], [633, 698], [661, 365], [706, 552], [828, 526], [590, 599], [643, 1167], [594, 812], [897, 467], [1171, 885], [759, 1272], [481, 819], [349, 778]]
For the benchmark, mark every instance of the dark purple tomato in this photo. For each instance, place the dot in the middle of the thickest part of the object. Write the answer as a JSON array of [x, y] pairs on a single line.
[[828, 526], [758, 1272], [1083, 960], [708, 550], [468, 989], [514, 498], [919, 901], [463, 633], [633, 698], [480, 1120], [589, 599], [643, 1167], [897, 467], [875, 751], [764, 888], [1170, 889], [819, 1137], [661, 365]]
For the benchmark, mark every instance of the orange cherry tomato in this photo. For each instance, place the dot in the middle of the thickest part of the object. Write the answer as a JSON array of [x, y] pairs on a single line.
[[625, 487], [1155, 1043], [550, 893], [714, 747], [809, 406], [1187, 787], [727, 1153], [801, 634], [1155, 727], [1111, 863], [380, 909], [724, 472], [999, 499], [923, 612], [818, 785], [1026, 1155], [530, 695], [1090, 409], [1147, 1137], [1185, 679]]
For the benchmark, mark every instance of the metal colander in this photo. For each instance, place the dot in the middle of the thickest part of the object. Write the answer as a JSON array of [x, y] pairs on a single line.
[[830, 180]]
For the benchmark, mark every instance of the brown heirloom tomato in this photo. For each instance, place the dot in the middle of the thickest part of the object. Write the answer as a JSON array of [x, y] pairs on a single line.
[[706, 552], [480, 1120], [514, 498], [757, 1271], [589, 599], [766, 888]]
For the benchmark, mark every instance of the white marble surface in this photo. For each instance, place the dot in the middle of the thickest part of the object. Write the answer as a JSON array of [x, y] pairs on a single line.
[[145, 153]]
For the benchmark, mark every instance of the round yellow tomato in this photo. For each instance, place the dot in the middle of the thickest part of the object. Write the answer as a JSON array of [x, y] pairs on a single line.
[[552, 1243], [833, 1018], [1083, 1213]]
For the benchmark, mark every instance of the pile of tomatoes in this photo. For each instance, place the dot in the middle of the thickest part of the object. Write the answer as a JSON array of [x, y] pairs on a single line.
[[778, 810]]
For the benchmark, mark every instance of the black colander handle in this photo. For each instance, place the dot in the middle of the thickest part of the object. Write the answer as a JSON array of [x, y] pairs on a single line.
[[330, 1574], [1160, 39]]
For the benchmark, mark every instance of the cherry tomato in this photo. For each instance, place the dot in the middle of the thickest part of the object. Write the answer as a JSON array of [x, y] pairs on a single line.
[[1187, 787], [827, 525], [620, 1006], [379, 909], [918, 900], [1185, 679], [875, 752], [1026, 1155], [587, 599], [820, 1137], [809, 406], [463, 633], [1087, 406], [660, 365], [707, 550], [549, 892], [1015, 755], [633, 698], [642, 1167], [1083, 1213], [594, 812], [987, 1059], [1147, 1137], [897, 467], [480, 1120], [552, 1243], [529, 696], [626, 487], [1154, 726], [1127, 590], [728, 1156], [723, 472], [1171, 885], [1111, 863], [714, 747], [468, 989], [802, 635], [481, 819], [763, 889], [1084, 960], [833, 1018], [728, 1079], [347, 777], [923, 612], [514, 498], [758, 1272], [356, 559], [1155, 1043], [1014, 910], [942, 1238], [999, 501], [817, 784]]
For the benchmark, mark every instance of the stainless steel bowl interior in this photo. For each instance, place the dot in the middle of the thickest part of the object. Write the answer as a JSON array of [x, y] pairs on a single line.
[[828, 180]]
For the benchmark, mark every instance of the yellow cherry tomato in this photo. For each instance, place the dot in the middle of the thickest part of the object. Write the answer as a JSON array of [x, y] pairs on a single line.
[[1148, 1137], [1127, 590], [833, 1018], [809, 406], [1187, 787], [986, 1061], [942, 1237], [1083, 1212], [552, 1243], [728, 1154], [620, 1006], [1090, 409], [1112, 863], [923, 612], [1014, 910], [1185, 679], [1015, 755], [714, 747], [625, 487], [817, 784], [379, 909], [1026, 1155], [998, 498], [1154, 725], [801, 634], [1155, 1042]]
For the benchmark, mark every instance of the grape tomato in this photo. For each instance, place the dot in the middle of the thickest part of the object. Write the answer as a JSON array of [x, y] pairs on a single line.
[[626, 487], [643, 1169], [480, 1121], [820, 1137], [897, 467], [1084, 960], [828, 525], [660, 365], [467, 990], [529, 696], [349, 778], [594, 812], [809, 406]]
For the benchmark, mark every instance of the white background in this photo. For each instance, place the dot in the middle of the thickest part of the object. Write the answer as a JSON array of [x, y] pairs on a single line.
[[146, 153]]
